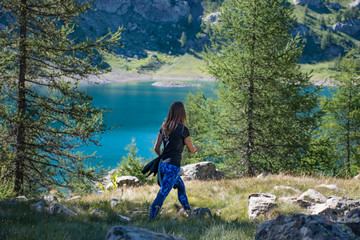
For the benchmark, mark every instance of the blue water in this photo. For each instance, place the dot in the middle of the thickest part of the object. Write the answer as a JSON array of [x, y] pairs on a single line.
[[138, 109]]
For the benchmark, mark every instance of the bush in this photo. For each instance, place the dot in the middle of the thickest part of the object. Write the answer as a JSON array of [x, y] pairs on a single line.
[[131, 164]]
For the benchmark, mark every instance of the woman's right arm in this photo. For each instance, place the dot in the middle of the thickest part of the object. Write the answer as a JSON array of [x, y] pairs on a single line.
[[158, 144], [189, 146]]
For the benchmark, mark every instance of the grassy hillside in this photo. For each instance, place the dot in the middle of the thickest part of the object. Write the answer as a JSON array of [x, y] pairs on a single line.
[[226, 199]]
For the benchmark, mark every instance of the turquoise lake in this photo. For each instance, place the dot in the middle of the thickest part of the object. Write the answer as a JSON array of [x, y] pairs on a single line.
[[138, 109]]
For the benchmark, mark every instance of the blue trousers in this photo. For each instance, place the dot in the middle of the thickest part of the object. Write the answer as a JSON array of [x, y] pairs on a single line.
[[170, 178]]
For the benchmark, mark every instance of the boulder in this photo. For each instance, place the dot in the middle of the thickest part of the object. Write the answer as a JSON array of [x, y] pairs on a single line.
[[355, 4], [352, 219], [336, 207], [310, 3], [129, 181], [201, 213], [135, 233], [202, 171], [55, 208], [50, 199], [286, 188], [301, 226], [50, 207], [313, 196], [260, 204], [351, 26], [357, 177], [331, 187]]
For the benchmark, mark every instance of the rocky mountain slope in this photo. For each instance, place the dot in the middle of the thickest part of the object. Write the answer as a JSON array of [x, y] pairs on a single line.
[[329, 27]]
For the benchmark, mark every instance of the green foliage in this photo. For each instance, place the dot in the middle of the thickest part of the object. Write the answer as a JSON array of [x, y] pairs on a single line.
[[183, 40], [326, 40], [44, 114], [265, 112], [338, 140], [131, 164]]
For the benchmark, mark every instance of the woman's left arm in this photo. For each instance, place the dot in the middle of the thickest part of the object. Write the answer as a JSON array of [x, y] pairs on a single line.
[[158, 144]]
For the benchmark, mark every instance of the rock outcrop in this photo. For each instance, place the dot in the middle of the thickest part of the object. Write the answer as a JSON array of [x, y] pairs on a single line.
[[350, 27], [260, 204], [155, 10], [202, 171], [301, 226], [352, 219], [135, 233]]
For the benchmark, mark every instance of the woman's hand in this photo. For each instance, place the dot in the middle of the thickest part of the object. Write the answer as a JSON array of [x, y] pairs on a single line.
[[189, 146]]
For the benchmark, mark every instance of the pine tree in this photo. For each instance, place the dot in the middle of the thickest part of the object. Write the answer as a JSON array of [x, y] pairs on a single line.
[[45, 114], [264, 113], [341, 123]]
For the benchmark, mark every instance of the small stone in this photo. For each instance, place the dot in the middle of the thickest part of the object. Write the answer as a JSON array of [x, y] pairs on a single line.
[[260, 204], [313, 196], [99, 212], [114, 202], [125, 218]]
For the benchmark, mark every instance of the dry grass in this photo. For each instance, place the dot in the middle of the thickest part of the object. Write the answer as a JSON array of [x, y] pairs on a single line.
[[227, 200]]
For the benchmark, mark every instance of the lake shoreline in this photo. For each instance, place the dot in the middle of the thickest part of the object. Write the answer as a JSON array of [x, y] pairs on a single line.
[[119, 76]]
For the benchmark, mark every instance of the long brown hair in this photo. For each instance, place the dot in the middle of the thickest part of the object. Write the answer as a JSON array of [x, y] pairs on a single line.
[[175, 116]]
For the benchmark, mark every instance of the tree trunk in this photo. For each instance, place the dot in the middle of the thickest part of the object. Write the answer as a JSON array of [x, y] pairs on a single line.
[[21, 104]]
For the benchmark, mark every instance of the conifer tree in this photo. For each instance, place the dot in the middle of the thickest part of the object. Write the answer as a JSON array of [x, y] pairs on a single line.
[[45, 115], [340, 130], [264, 113]]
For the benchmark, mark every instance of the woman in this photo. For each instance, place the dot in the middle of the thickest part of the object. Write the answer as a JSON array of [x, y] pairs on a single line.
[[175, 135]]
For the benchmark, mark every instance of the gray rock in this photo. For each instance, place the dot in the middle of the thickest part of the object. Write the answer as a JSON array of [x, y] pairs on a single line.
[[303, 227], [114, 202], [55, 208], [336, 207], [73, 198], [260, 204], [310, 3], [355, 4], [129, 181], [351, 26], [352, 219], [99, 212], [108, 186], [202, 171], [312, 195], [135, 233], [201, 213], [50, 199], [331, 187], [286, 188], [21, 199], [264, 174], [39, 206], [125, 218]]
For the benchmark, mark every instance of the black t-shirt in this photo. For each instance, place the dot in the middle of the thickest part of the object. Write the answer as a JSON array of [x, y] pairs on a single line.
[[174, 144]]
